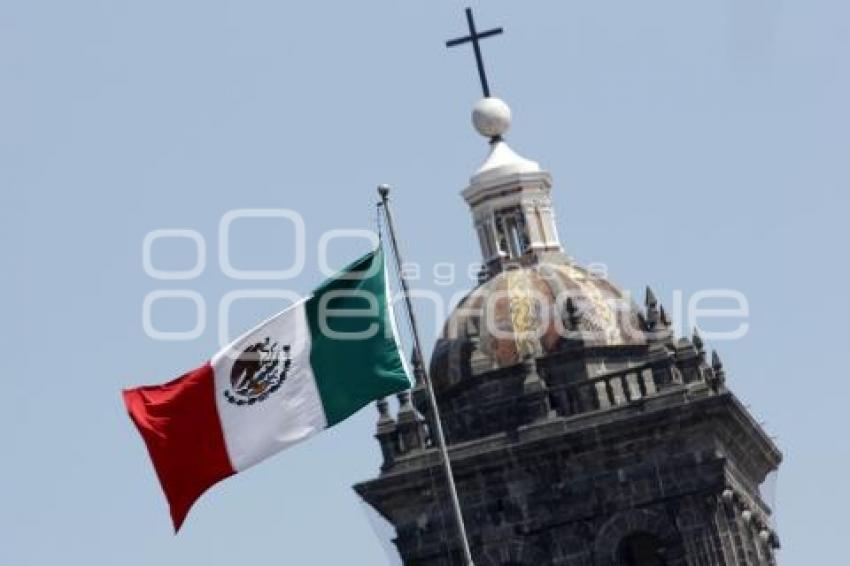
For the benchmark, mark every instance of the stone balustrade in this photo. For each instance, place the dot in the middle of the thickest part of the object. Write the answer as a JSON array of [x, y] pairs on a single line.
[[501, 401]]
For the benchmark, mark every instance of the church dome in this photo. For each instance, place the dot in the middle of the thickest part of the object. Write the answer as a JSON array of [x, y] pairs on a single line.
[[532, 311]]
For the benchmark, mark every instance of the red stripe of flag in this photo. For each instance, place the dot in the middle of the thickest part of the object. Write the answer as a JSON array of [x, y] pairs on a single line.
[[180, 426]]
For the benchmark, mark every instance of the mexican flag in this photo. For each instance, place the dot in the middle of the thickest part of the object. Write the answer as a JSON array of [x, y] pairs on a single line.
[[301, 371]]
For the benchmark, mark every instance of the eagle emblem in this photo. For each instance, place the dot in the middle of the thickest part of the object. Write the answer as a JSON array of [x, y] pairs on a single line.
[[258, 372]]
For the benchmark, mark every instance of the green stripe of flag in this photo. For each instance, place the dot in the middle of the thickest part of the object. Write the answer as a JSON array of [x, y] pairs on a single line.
[[355, 355]]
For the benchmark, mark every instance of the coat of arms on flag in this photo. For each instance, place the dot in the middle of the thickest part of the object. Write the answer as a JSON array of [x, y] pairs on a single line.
[[259, 371]]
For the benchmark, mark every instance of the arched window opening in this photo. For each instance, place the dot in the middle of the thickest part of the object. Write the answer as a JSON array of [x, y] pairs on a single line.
[[642, 549], [512, 233]]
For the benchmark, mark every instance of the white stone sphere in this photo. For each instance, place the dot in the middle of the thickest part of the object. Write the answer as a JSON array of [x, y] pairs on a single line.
[[491, 117]]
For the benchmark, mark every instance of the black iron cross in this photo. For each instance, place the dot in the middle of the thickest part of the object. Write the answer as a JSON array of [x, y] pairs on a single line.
[[474, 37]]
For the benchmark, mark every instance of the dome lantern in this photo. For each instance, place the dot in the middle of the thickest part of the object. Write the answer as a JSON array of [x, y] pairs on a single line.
[[509, 197]]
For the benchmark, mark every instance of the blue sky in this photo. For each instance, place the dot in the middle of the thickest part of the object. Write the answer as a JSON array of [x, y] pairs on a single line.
[[693, 145]]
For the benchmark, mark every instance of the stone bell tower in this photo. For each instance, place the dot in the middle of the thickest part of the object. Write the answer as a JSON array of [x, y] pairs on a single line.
[[582, 432]]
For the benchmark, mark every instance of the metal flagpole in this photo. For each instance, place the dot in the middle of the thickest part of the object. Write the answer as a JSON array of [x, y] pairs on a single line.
[[384, 191]]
